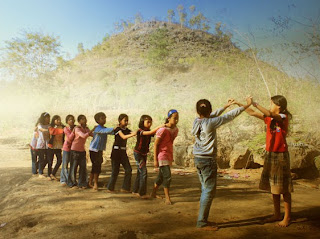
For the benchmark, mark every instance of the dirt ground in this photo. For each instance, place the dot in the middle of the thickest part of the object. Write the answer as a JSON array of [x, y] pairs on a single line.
[[36, 208]]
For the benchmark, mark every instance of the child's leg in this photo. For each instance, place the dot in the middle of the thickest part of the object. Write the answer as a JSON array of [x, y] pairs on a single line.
[[72, 169], [276, 205], [287, 210], [115, 163], [143, 178], [42, 161], [92, 158], [33, 161], [96, 178], [157, 183], [50, 160], [59, 161], [136, 184], [127, 172], [64, 167], [166, 182], [82, 170], [207, 172]]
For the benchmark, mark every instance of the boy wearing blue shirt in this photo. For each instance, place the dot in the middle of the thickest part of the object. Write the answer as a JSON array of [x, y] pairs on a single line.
[[97, 146]]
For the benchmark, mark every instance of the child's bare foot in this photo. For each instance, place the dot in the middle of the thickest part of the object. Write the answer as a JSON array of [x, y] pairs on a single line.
[[53, 177], [124, 191], [49, 178], [63, 184], [110, 191], [90, 185], [42, 176], [168, 201], [209, 228], [95, 187], [274, 218], [136, 194], [284, 222], [144, 196], [83, 187]]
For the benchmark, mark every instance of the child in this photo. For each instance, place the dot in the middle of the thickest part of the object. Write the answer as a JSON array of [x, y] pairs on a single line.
[[276, 176], [205, 151], [97, 146], [69, 133], [34, 152], [55, 146], [119, 155], [140, 154], [42, 142], [163, 153], [78, 154]]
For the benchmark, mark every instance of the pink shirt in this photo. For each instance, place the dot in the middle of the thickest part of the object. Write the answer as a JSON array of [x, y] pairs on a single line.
[[80, 136], [68, 139], [165, 147]]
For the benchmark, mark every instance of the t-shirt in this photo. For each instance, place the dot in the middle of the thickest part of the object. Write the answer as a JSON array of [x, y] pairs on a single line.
[[276, 134], [118, 141], [143, 141], [81, 135], [69, 133], [43, 139], [165, 147]]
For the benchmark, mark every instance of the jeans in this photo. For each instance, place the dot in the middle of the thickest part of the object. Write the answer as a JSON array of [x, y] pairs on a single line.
[[64, 168], [140, 185], [51, 153], [207, 172], [78, 159], [34, 162], [120, 157], [43, 159], [164, 176]]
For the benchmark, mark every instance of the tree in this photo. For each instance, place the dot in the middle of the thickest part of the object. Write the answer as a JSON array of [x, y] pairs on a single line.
[[182, 15], [31, 55], [80, 48], [170, 16]]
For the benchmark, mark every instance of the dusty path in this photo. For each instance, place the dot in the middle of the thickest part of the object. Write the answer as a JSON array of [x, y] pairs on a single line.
[[37, 208]]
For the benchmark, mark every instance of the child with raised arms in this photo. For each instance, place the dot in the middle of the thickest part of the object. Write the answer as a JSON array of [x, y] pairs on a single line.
[[163, 154], [69, 136], [97, 146], [276, 176], [119, 155], [141, 150], [205, 152]]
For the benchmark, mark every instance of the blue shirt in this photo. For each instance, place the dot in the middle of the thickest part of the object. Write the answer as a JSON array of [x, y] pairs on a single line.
[[99, 140]]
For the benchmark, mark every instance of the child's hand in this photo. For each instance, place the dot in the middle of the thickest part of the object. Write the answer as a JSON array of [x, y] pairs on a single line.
[[134, 133], [249, 100], [231, 101]]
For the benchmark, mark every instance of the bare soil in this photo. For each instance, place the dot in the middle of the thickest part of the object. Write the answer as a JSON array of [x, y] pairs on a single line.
[[36, 208]]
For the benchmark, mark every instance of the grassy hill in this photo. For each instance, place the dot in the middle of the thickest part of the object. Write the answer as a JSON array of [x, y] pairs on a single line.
[[153, 67]]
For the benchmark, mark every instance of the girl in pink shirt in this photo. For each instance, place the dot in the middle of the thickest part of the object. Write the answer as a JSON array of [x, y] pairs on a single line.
[[78, 154], [163, 153]]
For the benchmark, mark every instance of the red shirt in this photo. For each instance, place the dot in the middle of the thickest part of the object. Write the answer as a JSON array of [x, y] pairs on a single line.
[[276, 134]]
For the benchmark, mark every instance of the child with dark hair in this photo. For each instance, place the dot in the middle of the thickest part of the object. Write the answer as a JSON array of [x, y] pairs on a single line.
[[205, 152], [69, 136], [163, 154], [55, 145], [97, 146], [141, 150], [119, 155], [276, 176], [78, 154], [42, 142]]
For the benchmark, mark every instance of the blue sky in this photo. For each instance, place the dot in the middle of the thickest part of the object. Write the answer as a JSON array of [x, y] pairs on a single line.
[[88, 21]]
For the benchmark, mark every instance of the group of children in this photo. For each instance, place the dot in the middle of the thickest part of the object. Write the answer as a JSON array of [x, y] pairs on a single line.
[[50, 139], [68, 144]]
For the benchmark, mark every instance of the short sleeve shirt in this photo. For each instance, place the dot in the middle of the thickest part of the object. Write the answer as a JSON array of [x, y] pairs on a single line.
[[143, 141], [118, 141], [165, 152]]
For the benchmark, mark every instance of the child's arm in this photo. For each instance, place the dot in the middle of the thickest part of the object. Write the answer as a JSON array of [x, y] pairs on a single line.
[[104, 130], [156, 149], [42, 129], [221, 110], [152, 132], [266, 112], [80, 133], [55, 131], [251, 112], [127, 136]]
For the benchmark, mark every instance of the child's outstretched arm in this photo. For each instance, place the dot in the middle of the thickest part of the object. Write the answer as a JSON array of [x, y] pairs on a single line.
[[127, 136], [251, 112], [156, 149], [266, 112], [222, 109], [152, 132]]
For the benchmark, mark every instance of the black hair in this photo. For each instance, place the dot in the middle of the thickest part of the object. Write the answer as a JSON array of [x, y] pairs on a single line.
[[42, 117], [204, 107], [53, 119], [142, 119], [80, 117], [97, 116], [68, 117], [167, 119], [281, 101], [122, 116]]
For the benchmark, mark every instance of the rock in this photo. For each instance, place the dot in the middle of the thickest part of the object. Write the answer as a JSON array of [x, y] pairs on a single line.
[[258, 158], [240, 157], [223, 158], [179, 154]]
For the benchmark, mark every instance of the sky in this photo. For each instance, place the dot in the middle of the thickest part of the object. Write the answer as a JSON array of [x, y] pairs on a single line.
[[88, 21]]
